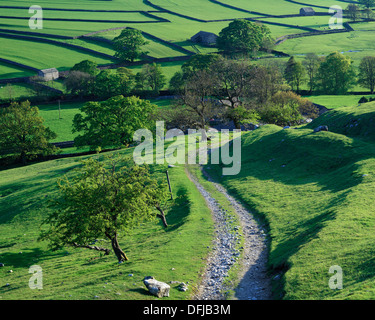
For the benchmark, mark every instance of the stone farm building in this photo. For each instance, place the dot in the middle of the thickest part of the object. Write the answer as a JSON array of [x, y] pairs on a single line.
[[205, 38], [306, 11], [48, 74]]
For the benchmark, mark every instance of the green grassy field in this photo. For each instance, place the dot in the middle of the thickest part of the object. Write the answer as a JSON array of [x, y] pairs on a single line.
[[353, 44], [178, 30], [63, 126], [315, 191], [173, 254], [332, 102]]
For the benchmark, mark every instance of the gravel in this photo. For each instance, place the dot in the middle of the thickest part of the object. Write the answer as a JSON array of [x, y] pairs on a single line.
[[253, 282]]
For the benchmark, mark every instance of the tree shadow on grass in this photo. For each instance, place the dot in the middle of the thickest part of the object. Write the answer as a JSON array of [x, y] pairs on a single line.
[[142, 291], [29, 257], [177, 215]]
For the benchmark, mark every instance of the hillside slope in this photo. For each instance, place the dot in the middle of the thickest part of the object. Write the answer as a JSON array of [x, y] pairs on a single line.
[[316, 192], [176, 253]]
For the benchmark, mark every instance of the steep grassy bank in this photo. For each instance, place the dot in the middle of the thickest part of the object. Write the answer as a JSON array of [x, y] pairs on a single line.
[[316, 192]]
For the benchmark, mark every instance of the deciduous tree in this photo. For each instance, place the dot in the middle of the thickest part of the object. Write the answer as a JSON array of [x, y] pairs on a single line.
[[197, 98], [311, 63], [367, 3], [112, 123], [86, 66], [366, 76], [294, 73], [151, 77], [336, 74], [102, 202], [128, 45], [22, 132], [243, 37]]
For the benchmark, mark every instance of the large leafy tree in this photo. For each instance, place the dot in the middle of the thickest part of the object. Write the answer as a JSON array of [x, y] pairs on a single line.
[[336, 74], [197, 99], [294, 73], [311, 64], [108, 83], [86, 66], [232, 87], [151, 77], [128, 45], [366, 75], [353, 12], [79, 83], [22, 132], [112, 123], [191, 68], [199, 62], [103, 202], [243, 37], [367, 3]]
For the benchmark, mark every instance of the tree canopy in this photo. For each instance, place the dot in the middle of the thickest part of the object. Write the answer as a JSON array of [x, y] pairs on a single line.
[[128, 45], [86, 66], [112, 123], [294, 73], [336, 74], [243, 37], [102, 201], [367, 73], [22, 132]]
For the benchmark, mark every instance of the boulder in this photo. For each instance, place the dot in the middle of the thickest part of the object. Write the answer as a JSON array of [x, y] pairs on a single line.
[[321, 128], [157, 288], [183, 287]]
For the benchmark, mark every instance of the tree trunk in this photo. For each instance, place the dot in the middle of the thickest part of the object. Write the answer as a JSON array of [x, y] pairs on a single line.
[[121, 256], [23, 157], [236, 123], [106, 251], [162, 216]]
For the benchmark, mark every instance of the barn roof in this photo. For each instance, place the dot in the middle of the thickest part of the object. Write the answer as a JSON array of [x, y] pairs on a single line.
[[307, 9], [204, 34], [50, 70]]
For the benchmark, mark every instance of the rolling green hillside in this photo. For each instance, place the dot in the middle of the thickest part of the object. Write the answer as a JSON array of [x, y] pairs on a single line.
[[316, 192], [174, 254]]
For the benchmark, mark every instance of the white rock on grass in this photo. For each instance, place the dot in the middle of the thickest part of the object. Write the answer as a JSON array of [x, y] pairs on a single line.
[[156, 288]]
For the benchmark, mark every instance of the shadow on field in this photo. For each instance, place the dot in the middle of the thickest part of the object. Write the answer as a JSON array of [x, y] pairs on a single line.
[[141, 291], [28, 258], [32, 193], [178, 214]]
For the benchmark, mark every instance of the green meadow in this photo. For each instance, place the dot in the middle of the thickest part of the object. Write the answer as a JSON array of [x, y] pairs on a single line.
[[332, 102], [184, 23], [176, 253], [315, 191]]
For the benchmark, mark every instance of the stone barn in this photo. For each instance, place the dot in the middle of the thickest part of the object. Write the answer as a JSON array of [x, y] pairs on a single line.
[[307, 11], [49, 74], [205, 38]]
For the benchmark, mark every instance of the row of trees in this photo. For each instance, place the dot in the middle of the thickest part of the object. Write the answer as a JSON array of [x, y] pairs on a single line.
[[86, 80], [109, 123], [210, 86], [333, 74], [361, 10], [240, 38]]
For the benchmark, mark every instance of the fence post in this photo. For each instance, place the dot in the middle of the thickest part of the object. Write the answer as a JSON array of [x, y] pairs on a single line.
[[169, 184]]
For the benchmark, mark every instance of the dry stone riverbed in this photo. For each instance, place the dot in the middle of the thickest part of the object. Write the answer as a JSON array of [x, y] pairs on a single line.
[[254, 283]]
